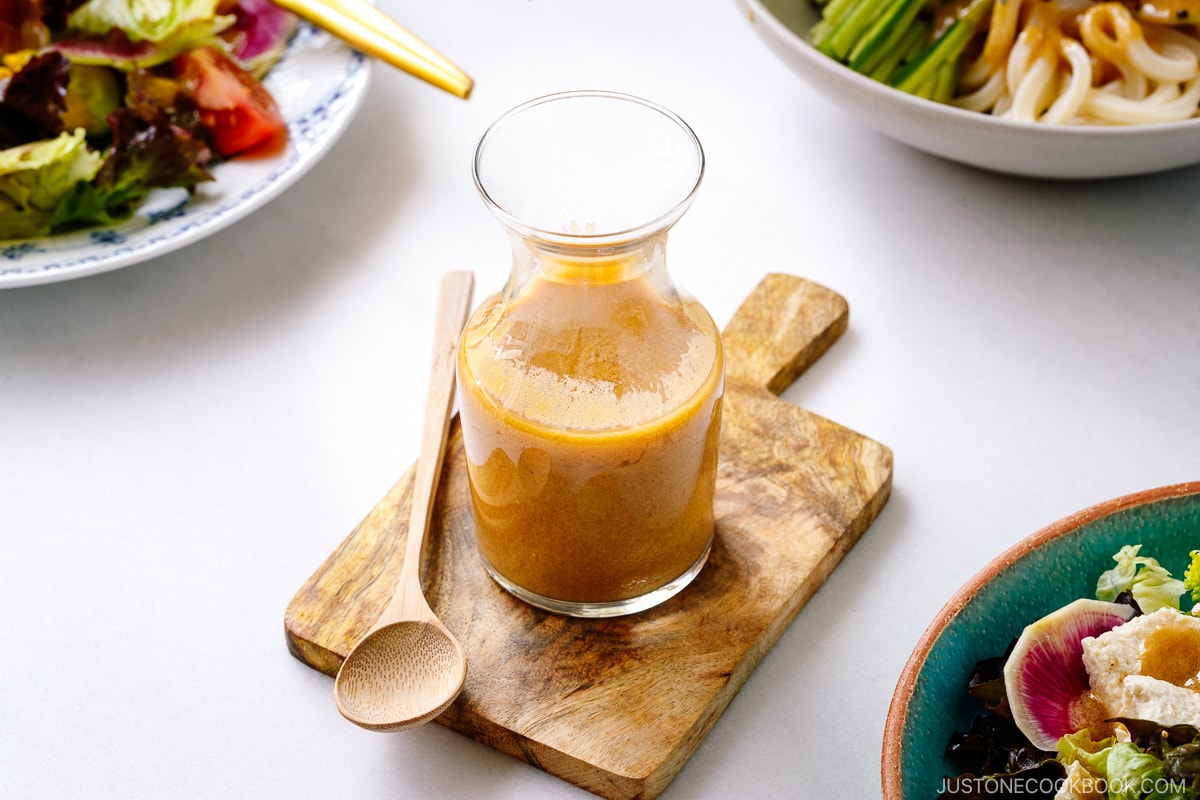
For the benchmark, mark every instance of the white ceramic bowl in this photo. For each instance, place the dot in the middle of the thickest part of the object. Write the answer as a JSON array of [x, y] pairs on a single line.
[[1063, 152]]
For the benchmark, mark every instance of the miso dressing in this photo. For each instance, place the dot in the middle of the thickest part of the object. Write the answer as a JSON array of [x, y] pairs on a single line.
[[594, 417]]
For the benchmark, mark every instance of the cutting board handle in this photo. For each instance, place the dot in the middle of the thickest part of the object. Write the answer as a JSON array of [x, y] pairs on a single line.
[[781, 329]]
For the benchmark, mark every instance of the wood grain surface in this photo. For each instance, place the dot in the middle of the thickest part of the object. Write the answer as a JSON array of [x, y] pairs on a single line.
[[617, 706]]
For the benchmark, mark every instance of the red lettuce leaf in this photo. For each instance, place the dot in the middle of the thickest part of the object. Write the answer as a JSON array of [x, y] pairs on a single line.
[[158, 140], [21, 26], [1035, 783], [115, 48], [987, 682], [997, 760], [32, 101], [55, 12], [1155, 738], [1182, 763]]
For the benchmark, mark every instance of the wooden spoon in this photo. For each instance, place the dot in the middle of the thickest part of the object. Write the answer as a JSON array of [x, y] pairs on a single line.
[[409, 668]]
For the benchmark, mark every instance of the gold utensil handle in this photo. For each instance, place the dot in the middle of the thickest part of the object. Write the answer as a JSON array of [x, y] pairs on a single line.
[[369, 30]]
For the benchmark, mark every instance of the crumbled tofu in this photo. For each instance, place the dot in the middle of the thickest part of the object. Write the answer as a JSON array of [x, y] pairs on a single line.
[[1124, 671], [1162, 702]]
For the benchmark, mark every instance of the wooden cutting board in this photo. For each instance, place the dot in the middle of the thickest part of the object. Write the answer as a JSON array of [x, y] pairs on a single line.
[[617, 706]]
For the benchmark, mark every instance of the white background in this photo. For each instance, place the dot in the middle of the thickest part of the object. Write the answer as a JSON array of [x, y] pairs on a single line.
[[183, 442]]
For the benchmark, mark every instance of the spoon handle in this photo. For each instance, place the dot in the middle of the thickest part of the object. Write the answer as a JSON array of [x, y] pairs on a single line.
[[454, 302]]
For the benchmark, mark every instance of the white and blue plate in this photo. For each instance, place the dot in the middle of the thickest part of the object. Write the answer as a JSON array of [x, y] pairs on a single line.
[[319, 85]]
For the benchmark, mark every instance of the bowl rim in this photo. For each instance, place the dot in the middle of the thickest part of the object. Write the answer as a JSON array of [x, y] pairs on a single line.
[[760, 12], [894, 726]]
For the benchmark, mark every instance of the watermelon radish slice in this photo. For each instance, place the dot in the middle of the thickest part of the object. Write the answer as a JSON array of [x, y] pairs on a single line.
[[1045, 679]]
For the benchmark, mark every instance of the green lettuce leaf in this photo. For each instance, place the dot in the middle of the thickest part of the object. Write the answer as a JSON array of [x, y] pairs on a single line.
[[146, 154], [146, 20], [54, 185], [1127, 771], [1080, 747], [125, 33], [1149, 582], [1131, 773], [1137, 775], [36, 178]]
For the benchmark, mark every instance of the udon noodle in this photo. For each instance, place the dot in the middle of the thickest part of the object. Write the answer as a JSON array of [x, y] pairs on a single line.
[[1078, 61]]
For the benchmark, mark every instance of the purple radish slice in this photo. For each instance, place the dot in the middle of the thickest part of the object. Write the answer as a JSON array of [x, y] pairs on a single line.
[[260, 35], [1046, 682]]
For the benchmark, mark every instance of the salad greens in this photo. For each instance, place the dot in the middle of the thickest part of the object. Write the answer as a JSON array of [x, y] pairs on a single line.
[[104, 101], [1157, 762], [1149, 582], [1150, 766], [37, 178], [1191, 577], [912, 45], [156, 31]]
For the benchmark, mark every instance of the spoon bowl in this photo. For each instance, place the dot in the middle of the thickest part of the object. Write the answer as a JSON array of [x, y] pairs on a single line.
[[409, 671], [409, 667]]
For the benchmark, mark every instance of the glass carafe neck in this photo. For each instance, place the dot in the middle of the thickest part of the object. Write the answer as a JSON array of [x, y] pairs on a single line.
[[584, 263]]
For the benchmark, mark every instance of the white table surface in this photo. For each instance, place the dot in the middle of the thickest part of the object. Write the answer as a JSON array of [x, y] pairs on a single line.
[[183, 442]]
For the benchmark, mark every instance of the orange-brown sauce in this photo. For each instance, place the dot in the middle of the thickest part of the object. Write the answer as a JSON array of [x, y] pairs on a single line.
[[1088, 712], [593, 414], [1172, 654], [1044, 23]]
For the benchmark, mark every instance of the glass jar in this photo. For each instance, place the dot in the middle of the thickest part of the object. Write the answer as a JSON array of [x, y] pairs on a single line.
[[590, 387]]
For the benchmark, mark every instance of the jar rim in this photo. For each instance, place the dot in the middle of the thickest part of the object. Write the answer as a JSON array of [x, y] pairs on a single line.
[[606, 239]]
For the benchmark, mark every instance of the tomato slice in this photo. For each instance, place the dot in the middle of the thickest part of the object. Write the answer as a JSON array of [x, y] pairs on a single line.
[[234, 107]]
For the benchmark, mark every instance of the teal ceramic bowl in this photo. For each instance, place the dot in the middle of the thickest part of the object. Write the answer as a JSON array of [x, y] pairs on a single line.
[[1043, 572]]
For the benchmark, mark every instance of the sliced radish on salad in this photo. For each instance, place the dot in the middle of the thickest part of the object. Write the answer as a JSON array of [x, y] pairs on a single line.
[[1045, 679]]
